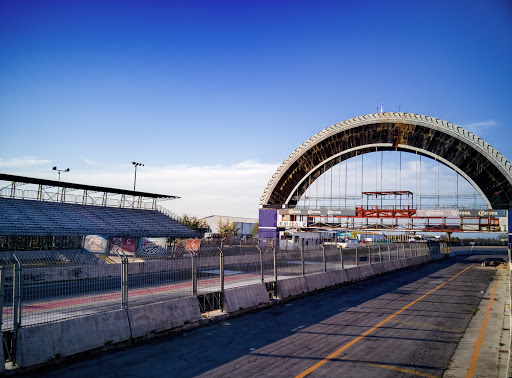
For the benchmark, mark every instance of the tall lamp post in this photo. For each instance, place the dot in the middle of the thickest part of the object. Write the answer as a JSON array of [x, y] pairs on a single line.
[[135, 164], [59, 171]]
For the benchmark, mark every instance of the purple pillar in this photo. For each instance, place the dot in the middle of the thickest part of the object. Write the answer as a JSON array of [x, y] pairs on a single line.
[[267, 228]]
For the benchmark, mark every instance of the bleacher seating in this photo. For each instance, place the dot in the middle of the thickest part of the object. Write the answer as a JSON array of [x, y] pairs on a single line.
[[29, 217]]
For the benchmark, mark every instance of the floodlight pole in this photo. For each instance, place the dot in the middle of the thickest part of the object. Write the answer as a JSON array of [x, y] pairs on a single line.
[[59, 171], [135, 164]]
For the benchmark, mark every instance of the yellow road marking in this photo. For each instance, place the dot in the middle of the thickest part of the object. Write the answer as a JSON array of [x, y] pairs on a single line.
[[364, 334], [402, 370], [480, 339]]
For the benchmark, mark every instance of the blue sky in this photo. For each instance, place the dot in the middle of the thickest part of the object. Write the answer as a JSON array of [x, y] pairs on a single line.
[[213, 95]]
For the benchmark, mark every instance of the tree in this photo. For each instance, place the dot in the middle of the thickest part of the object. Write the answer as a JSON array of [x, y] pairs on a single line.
[[194, 223], [254, 231], [227, 228]]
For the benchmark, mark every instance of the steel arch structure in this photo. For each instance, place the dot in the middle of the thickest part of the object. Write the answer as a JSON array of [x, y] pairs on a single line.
[[470, 156]]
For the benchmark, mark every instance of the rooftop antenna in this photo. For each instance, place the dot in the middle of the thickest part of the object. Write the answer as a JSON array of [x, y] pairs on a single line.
[[399, 106], [381, 108]]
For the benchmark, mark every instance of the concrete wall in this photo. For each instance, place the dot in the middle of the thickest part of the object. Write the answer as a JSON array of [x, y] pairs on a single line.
[[245, 297], [44, 343]]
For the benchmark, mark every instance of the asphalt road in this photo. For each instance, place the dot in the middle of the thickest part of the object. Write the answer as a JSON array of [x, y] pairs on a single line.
[[406, 324]]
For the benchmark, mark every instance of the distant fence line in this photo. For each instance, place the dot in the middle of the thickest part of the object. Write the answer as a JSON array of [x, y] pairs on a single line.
[[63, 285]]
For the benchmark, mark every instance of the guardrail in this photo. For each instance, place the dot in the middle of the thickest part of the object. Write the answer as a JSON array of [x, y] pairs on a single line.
[[57, 287]]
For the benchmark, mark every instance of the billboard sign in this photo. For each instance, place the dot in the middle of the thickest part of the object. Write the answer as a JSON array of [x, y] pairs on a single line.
[[193, 244], [483, 213], [187, 244], [152, 247], [319, 212], [289, 224], [125, 245], [486, 213], [438, 213], [96, 244]]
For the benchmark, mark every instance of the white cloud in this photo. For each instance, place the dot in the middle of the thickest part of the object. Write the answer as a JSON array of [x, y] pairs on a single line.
[[205, 190], [480, 127], [23, 161]]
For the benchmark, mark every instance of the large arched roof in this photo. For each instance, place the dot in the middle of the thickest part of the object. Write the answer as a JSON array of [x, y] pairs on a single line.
[[477, 161]]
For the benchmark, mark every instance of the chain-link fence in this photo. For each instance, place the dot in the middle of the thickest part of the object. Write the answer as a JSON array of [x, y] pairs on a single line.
[[51, 286]]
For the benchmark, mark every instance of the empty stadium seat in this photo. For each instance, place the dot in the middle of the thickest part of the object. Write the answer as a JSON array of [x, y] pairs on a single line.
[[30, 217]]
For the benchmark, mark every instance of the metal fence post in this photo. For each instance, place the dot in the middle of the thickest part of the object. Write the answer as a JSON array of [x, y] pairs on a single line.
[[16, 306], [323, 257], [221, 263], [341, 256], [124, 279], [275, 266], [389, 252], [302, 260], [357, 258], [194, 272], [261, 265], [380, 255], [369, 255], [124, 284]]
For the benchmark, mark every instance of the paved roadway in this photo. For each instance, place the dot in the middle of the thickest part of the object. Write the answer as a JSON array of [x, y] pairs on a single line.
[[406, 324]]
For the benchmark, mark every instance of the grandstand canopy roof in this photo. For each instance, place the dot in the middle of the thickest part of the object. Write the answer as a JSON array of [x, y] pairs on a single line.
[[91, 188]]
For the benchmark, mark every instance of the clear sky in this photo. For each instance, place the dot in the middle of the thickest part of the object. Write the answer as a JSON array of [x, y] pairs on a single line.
[[213, 95]]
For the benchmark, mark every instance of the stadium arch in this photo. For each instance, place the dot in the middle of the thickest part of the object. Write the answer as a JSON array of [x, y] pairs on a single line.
[[470, 156]]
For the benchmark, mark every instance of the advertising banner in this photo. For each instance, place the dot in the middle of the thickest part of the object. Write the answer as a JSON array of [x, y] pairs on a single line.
[[483, 213], [193, 244], [152, 247], [187, 244], [96, 244], [438, 213], [486, 213], [126, 245], [284, 224], [319, 212]]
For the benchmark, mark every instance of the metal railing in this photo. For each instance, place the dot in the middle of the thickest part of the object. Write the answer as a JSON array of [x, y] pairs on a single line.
[[47, 288]]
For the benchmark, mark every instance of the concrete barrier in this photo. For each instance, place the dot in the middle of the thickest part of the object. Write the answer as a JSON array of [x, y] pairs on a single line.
[[40, 344], [416, 260], [366, 271], [388, 266], [291, 287], [157, 317], [378, 268], [245, 297], [337, 277], [318, 281], [353, 274]]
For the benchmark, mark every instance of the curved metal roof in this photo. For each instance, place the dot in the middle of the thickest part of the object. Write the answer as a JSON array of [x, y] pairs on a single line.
[[477, 161]]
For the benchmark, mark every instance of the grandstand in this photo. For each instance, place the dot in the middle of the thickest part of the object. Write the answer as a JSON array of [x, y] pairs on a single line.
[[42, 213]]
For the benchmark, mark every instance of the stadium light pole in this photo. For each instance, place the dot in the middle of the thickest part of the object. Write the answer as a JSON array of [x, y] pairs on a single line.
[[60, 170], [135, 164], [135, 178]]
